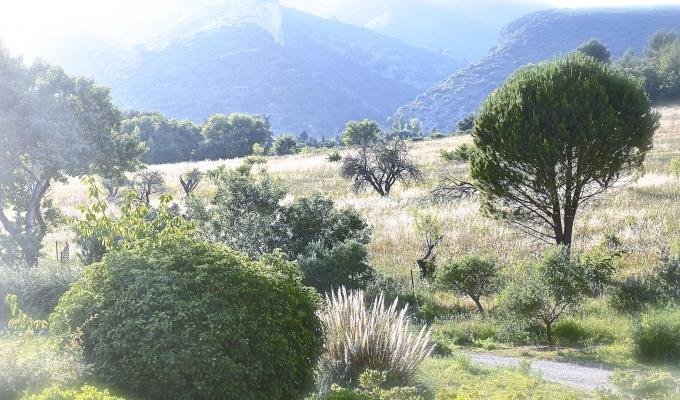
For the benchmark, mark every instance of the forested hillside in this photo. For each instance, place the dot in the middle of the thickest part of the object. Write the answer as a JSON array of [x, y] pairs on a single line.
[[531, 39]]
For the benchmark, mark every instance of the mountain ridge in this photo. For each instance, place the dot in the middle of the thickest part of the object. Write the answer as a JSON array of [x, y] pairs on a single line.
[[530, 39]]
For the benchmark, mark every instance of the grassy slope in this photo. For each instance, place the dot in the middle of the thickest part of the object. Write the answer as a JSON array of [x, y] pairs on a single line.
[[643, 214]]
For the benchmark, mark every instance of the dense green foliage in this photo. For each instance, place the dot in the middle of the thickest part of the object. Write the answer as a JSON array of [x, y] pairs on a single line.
[[361, 133], [343, 264], [372, 387], [167, 140], [245, 212], [86, 392], [233, 136], [601, 127], [463, 153], [597, 50], [284, 145], [54, 126], [99, 231], [657, 337], [547, 289], [471, 276], [660, 69], [193, 320]]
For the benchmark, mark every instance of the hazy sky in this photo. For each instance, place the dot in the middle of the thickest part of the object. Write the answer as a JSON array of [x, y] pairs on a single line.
[[26, 26]]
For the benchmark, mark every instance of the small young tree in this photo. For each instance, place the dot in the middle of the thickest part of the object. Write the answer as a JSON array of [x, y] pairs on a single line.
[[597, 50], [361, 133], [147, 183], [431, 230], [555, 136], [548, 289], [190, 180], [380, 166], [472, 276]]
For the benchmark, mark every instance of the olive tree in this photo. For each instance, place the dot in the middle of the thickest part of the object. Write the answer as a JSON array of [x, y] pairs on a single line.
[[53, 126], [472, 276], [548, 289], [380, 166], [555, 136]]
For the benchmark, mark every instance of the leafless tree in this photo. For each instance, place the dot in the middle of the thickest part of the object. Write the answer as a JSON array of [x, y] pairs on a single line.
[[380, 166], [451, 189]]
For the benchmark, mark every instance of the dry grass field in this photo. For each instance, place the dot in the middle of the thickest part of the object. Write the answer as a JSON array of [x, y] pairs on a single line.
[[644, 214]]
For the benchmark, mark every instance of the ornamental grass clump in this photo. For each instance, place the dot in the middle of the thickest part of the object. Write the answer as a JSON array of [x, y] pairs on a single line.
[[360, 336]]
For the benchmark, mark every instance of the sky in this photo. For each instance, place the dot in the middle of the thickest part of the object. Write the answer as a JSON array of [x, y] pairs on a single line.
[[28, 26]]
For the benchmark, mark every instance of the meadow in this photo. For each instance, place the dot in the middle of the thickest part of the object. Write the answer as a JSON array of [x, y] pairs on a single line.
[[643, 214]]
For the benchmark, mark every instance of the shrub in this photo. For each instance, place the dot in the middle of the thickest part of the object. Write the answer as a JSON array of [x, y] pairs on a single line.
[[371, 387], [461, 153], [334, 157], [32, 362], [86, 392], [241, 213], [657, 336], [472, 276], [38, 289], [648, 385], [675, 168], [245, 213], [194, 320], [345, 264], [284, 145], [360, 337], [315, 220], [547, 289], [636, 292]]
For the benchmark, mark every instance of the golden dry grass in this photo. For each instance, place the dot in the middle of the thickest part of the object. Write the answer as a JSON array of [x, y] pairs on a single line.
[[645, 214]]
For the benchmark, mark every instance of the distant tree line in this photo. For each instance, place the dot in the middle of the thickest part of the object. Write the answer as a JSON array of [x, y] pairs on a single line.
[[658, 68]]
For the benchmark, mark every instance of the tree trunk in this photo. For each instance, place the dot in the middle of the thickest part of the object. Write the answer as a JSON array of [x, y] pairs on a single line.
[[479, 304], [549, 336]]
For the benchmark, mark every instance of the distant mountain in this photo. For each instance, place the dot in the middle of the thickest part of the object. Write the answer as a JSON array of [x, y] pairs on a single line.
[[304, 72], [461, 28], [531, 39]]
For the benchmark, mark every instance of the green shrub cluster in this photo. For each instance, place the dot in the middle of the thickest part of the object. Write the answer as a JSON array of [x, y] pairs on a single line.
[[194, 320], [245, 213], [372, 386], [657, 336], [462, 153]]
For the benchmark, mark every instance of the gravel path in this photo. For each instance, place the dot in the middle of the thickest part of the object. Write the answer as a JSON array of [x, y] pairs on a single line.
[[573, 375]]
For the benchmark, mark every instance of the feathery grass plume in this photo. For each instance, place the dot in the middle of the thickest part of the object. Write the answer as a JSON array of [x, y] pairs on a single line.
[[376, 337]]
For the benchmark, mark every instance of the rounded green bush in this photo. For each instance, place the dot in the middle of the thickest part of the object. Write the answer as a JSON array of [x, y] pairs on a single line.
[[657, 337], [195, 321], [85, 393]]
